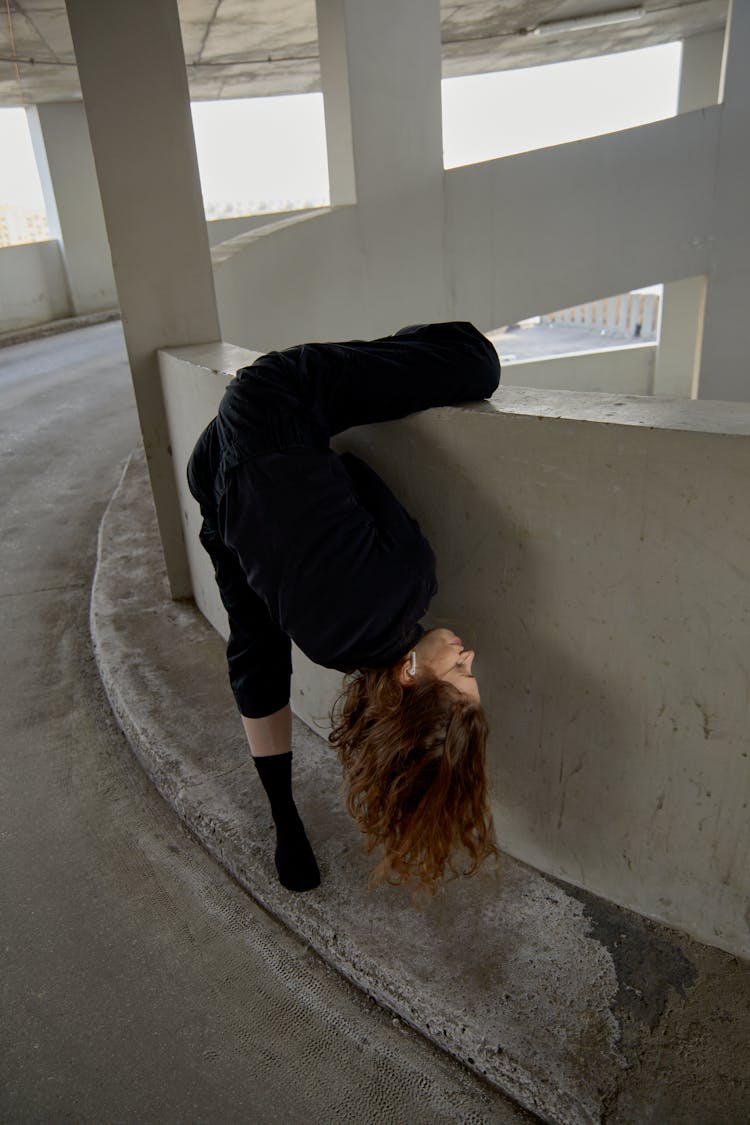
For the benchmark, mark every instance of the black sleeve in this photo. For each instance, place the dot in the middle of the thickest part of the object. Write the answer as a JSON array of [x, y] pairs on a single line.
[[258, 652]]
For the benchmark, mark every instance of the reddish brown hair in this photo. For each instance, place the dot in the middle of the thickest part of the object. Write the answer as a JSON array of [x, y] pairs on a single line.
[[414, 767]]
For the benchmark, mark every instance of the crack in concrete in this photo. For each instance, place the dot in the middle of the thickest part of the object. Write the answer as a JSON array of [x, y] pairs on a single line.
[[44, 590]]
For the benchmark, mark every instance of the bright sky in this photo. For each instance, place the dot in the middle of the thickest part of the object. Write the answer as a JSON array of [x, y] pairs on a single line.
[[19, 179], [490, 115], [274, 148], [262, 148]]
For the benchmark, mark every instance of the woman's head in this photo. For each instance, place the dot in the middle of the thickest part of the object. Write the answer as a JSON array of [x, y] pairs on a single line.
[[441, 654], [413, 752]]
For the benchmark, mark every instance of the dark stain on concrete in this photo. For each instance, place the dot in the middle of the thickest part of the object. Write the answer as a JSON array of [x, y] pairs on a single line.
[[706, 718], [649, 966]]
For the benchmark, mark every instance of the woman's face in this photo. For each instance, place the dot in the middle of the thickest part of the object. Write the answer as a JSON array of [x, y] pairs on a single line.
[[443, 653]]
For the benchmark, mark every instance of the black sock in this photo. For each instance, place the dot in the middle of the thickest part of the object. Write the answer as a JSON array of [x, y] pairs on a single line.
[[295, 861]]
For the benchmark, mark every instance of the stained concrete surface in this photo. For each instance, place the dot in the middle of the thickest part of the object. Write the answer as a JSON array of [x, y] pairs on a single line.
[[579, 1010], [139, 982], [237, 50]]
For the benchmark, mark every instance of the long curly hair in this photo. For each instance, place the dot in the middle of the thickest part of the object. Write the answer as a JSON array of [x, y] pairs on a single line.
[[415, 772]]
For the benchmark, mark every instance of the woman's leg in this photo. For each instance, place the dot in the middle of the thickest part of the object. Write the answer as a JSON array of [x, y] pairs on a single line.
[[270, 742], [259, 661]]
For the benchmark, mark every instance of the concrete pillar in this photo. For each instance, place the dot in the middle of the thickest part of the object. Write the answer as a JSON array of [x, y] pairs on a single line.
[[60, 136], [132, 71], [724, 366], [681, 332], [381, 72], [700, 75]]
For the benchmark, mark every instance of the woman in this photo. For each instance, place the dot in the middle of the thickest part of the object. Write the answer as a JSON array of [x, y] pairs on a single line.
[[313, 547]]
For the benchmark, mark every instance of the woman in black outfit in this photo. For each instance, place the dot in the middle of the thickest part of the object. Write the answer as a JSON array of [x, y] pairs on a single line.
[[313, 547]]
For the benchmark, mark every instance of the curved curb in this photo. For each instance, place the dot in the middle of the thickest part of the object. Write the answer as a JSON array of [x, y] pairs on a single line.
[[518, 979], [30, 332]]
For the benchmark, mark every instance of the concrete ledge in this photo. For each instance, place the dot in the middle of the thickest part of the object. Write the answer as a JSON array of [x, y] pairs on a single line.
[[54, 327], [578, 1010]]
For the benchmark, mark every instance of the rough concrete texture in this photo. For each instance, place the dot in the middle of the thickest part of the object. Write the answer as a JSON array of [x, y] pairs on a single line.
[[237, 50], [139, 982], [55, 327], [580, 1011]]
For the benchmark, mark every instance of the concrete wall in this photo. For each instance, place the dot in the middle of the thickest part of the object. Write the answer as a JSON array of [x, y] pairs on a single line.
[[536, 231], [627, 370], [298, 279], [593, 549], [62, 147], [219, 230], [33, 285], [545, 229], [677, 369], [192, 381], [723, 362], [678, 359]]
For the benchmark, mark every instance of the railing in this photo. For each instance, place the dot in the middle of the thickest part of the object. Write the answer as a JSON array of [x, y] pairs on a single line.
[[629, 314]]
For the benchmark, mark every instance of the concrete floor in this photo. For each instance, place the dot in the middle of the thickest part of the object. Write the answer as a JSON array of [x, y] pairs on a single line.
[[139, 982], [543, 341]]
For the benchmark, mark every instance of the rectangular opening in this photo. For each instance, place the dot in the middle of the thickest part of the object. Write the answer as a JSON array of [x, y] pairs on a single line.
[[23, 215], [486, 116], [259, 155]]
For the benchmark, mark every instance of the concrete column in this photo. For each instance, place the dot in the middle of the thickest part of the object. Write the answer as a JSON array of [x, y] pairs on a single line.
[[724, 367], [132, 71], [60, 136], [700, 75], [381, 71], [681, 333]]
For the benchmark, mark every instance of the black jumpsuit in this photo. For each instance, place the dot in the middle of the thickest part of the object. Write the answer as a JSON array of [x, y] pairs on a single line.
[[308, 545]]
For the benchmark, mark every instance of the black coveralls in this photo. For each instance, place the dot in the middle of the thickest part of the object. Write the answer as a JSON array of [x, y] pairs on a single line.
[[310, 545]]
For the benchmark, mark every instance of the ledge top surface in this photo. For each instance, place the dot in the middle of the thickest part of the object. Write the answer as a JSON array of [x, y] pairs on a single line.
[[650, 412]]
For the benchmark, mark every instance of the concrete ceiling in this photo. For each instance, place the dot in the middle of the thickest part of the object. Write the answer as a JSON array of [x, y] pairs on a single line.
[[236, 49]]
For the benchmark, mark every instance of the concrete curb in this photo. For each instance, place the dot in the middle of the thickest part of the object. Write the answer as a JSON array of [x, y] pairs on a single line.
[[553, 996], [54, 327]]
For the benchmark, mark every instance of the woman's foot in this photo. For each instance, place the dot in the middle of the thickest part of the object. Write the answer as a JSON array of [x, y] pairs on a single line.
[[295, 860]]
